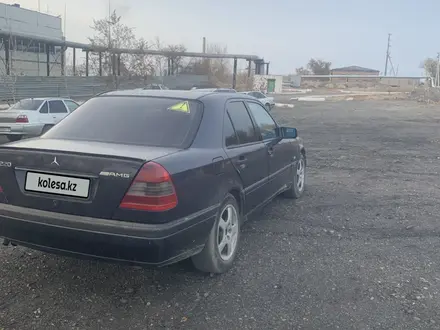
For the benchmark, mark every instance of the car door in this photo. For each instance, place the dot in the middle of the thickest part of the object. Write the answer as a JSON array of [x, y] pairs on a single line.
[[247, 153], [44, 116], [282, 153], [58, 110]]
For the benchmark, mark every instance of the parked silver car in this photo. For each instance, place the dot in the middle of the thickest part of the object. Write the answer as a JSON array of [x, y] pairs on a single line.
[[156, 86], [268, 101], [215, 90], [33, 117]]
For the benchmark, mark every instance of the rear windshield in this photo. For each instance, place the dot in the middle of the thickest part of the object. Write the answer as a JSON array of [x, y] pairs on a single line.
[[146, 121], [27, 104]]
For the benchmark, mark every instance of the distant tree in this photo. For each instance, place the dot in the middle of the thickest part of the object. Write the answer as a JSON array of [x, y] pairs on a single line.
[[219, 67], [111, 33], [319, 67], [161, 62], [301, 71], [141, 65], [430, 66], [177, 61]]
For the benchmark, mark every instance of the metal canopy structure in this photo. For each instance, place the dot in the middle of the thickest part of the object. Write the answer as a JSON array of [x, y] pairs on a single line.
[[97, 49], [116, 52]]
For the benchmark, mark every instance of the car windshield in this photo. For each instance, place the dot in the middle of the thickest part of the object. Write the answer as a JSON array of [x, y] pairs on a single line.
[[27, 104], [149, 121]]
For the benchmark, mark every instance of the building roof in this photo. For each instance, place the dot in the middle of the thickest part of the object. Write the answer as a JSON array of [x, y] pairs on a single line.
[[354, 68]]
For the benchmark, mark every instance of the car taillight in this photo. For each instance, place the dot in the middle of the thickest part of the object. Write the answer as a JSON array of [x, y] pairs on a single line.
[[151, 190], [22, 119]]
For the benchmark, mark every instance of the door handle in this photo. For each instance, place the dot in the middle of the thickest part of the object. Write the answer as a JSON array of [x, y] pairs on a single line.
[[241, 162]]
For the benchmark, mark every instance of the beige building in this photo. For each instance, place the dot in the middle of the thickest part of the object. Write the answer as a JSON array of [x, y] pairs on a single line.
[[27, 56]]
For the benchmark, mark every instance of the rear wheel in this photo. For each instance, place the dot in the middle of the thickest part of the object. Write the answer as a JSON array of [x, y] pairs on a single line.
[[220, 249], [299, 180], [13, 137]]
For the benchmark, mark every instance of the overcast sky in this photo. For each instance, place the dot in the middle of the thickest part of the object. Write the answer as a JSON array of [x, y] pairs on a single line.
[[285, 32]]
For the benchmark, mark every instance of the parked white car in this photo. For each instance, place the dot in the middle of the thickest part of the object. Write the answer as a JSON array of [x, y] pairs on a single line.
[[33, 117], [266, 100]]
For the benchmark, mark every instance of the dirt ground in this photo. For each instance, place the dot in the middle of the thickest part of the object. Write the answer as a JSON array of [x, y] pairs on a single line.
[[358, 251]]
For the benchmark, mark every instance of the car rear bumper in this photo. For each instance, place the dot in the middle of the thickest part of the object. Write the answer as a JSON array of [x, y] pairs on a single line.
[[152, 244], [20, 129]]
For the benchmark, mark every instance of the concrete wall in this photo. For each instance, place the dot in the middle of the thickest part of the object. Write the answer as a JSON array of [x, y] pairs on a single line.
[[396, 83], [260, 82], [400, 82], [359, 73], [82, 88], [32, 64]]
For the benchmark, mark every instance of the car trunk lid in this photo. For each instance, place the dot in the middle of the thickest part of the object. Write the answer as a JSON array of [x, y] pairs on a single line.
[[10, 116], [72, 177]]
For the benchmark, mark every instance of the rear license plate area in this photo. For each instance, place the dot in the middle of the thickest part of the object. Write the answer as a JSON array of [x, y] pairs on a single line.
[[60, 185]]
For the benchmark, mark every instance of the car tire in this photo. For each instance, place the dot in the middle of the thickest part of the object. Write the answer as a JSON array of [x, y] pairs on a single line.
[[46, 128], [299, 179], [268, 107], [13, 137], [219, 257]]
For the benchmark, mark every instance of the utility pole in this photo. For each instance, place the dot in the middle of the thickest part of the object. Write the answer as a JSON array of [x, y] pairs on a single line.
[[110, 46], [388, 54], [204, 45], [437, 76], [65, 18]]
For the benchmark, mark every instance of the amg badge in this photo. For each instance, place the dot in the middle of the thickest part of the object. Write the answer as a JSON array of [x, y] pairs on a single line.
[[114, 174]]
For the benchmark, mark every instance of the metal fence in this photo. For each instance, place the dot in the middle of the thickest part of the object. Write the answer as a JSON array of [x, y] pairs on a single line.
[[81, 88]]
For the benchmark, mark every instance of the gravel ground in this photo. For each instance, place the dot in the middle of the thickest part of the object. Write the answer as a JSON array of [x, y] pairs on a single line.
[[358, 251]]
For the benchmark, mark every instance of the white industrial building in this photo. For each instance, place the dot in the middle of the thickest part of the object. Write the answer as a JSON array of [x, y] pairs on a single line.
[[20, 31]]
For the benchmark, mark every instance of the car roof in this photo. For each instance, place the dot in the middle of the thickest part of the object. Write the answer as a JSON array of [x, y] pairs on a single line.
[[215, 89], [178, 94], [47, 98]]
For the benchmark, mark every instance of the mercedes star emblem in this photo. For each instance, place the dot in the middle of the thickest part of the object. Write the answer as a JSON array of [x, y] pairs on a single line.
[[55, 162]]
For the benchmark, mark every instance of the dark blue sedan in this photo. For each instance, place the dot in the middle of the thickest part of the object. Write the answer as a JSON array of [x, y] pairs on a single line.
[[149, 177]]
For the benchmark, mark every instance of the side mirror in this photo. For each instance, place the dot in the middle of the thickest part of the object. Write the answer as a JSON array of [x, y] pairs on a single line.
[[288, 133]]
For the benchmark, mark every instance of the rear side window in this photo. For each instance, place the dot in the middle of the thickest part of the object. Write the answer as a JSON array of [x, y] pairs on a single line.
[[44, 108], [242, 123], [27, 104], [148, 121], [57, 107]]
